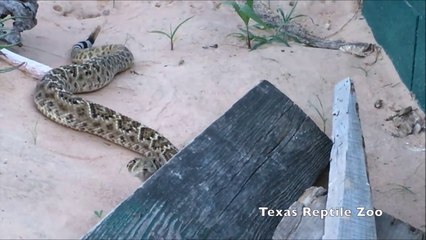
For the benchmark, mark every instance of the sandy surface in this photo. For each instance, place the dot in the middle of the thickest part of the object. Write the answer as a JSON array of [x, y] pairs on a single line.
[[52, 179]]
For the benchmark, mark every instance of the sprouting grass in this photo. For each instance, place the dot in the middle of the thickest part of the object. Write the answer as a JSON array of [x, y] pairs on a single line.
[[243, 13], [287, 18], [246, 13], [172, 33], [258, 41], [278, 35], [320, 112], [98, 213]]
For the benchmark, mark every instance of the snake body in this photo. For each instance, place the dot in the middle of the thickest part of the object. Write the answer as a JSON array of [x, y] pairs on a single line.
[[93, 69], [294, 30]]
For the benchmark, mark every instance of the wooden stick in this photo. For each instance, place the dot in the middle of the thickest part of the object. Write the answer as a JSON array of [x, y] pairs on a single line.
[[348, 188], [31, 67]]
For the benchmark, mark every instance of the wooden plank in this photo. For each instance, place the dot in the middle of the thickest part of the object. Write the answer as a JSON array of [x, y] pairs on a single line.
[[348, 187], [263, 152], [302, 225]]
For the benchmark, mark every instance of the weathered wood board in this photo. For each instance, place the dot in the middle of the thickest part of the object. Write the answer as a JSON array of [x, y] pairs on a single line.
[[348, 176], [348, 187], [304, 226], [263, 152]]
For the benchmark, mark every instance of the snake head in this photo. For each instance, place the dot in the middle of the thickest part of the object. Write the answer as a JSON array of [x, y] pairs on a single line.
[[142, 168]]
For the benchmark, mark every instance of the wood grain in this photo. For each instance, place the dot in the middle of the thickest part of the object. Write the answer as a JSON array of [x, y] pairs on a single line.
[[263, 152], [348, 187]]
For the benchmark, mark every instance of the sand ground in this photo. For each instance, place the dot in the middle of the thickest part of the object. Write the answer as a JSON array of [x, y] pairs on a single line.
[[52, 179]]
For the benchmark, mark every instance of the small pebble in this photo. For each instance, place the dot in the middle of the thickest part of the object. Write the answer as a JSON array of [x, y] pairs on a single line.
[[57, 8], [378, 104], [328, 25], [211, 46]]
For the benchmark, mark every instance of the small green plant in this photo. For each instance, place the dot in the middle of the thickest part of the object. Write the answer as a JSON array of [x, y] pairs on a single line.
[[99, 213], [278, 35], [287, 18], [320, 113], [259, 40], [246, 12], [171, 34]]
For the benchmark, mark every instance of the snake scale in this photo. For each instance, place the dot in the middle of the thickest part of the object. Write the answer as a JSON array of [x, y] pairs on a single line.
[[92, 69]]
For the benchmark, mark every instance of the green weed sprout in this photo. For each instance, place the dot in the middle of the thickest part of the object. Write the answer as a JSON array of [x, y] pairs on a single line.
[[321, 112], [279, 36], [259, 40], [171, 34], [246, 12], [98, 213], [286, 18]]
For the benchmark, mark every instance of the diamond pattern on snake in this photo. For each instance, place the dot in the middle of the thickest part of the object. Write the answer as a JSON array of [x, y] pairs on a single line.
[[92, 69]]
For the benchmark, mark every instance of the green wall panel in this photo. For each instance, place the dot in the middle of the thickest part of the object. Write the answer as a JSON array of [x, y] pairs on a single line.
[[417, 6], [419, 86], [399, 27]]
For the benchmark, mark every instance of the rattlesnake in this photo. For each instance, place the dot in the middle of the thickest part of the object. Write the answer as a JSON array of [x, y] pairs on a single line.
[[298, 32], [94, 68]]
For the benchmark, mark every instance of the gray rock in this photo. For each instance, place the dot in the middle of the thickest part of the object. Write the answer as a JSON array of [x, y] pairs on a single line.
[[24, 12]]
